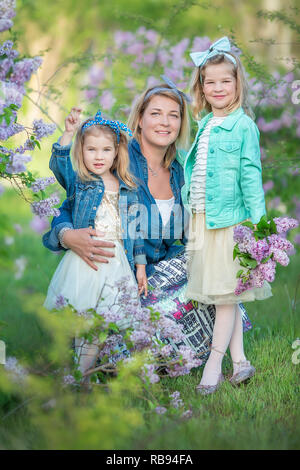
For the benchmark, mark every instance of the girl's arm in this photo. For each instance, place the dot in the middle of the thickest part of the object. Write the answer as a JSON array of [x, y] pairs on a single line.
[[251, 173], [60, 162]]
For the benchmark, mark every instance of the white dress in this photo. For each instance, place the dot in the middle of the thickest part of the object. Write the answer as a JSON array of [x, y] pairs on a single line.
[[82, 286]]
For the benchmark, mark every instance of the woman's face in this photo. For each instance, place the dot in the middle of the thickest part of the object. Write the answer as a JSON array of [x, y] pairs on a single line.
[[161, 121]]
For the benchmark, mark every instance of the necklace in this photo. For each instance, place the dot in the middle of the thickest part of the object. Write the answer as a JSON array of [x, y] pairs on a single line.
[[154, 173]]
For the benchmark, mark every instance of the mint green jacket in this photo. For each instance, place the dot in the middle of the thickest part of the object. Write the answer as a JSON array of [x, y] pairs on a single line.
[[234, 189]]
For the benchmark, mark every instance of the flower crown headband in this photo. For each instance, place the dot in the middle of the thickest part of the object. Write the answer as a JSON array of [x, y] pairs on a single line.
[[222, 46], [116, 126]]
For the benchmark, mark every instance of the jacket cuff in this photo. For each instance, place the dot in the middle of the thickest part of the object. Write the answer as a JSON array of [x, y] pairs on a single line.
[[61, 150], [140, 259]]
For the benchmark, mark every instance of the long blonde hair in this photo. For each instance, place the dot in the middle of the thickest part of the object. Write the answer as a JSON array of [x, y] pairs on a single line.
[[121, 161], [241, 98], [138, 110]]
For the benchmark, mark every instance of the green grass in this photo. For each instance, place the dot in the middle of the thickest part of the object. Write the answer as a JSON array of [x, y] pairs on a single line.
[[263, 414]]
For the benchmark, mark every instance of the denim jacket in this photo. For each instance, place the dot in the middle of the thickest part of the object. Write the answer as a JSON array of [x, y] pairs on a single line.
[[84, 198], [160, 242], [234, 190]]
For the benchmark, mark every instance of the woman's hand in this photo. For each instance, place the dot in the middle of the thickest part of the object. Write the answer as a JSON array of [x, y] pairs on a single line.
[[142, 279], [72, 122], [90, 250]]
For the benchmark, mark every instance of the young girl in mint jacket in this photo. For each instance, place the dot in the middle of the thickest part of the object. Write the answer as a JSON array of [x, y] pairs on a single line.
[[223, 188]]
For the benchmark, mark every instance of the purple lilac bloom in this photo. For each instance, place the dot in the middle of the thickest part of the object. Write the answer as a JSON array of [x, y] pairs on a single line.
[[259, 249], [148, 371], [107, 100], [268, 270], [60, 302], [200, 44], [160, 410], [44, 208], [41, 183], [24, 69], [280, 256], [41, 129], [176, 401], [18, 163], [241, 232], [96, 75], [5, 24], [17, 372], [7, 131], [39, 224], [268, 186], [277, 241], [284, 224], [68, 379]]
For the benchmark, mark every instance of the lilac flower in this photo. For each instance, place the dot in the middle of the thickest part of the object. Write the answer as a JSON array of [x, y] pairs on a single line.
[[187, 414], [241, 233], [18, 163], [148, 371], [277, 241], [151, 36], [160, 410], [24, 69], [9, 130], [60, 302], [268, 186], [96, 75], [68, 379], [107, 100], [284, 224], [176, 401], [41, 129], [91, 93], [41, 183], [280, 256], [201, 44], [259, 249], [5, 24], [268, 270], [7, 50], [39, 224], [16, 371], [44, 208]]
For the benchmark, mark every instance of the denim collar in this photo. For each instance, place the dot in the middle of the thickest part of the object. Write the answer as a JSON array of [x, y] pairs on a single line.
[[228, 122]]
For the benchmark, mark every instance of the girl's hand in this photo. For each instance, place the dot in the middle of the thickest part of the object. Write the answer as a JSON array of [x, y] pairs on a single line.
[[142, 279], [90, 250], [72, 122]]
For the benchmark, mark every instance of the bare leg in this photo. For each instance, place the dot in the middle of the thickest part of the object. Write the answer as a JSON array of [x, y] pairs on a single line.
[[223, 329], [236, 344]]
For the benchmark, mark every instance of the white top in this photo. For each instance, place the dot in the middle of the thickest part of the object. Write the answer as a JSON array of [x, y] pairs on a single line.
[[198, 179], [165, 207]]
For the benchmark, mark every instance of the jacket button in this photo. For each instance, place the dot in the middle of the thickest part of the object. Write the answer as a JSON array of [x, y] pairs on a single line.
[[210, 173], [100, 190], [211, 224], [126, 252], [210, 198], [217, 129], [94, 208], [212, 151]]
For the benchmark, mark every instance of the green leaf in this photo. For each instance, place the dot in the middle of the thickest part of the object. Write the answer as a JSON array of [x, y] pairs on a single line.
[[102, 336], [239, 273], [236, 251], [248, 224]]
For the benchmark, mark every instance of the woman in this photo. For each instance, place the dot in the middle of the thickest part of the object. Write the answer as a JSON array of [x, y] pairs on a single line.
[[159, 121]]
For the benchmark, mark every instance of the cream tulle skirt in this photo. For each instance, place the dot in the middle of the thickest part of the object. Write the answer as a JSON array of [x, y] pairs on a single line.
[[85, 288], [211, 268]]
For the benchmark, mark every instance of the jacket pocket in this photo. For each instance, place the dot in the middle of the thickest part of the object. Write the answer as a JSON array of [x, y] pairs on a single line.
[[230, 154]]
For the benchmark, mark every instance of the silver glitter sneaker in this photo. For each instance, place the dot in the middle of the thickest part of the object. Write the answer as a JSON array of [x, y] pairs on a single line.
[[244, 373], [208, 389]]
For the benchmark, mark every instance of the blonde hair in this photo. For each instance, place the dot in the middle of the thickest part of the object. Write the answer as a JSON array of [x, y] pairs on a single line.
[[138, 110], [241, 98], [121, 161]]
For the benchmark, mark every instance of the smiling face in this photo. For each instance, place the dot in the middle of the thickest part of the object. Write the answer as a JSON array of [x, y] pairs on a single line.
[[160, 123], [219, 87], [99, 152]]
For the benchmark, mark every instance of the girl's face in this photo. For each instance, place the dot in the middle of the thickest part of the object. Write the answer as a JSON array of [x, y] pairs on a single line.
[[99, 153], [161, 121], [219, 87]]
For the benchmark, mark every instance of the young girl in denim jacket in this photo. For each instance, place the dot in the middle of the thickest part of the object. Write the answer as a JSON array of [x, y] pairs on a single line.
[[103, 194], [223, 188]]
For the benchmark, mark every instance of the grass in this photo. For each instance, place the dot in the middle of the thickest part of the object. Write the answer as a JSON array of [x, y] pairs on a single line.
[[263, 414]]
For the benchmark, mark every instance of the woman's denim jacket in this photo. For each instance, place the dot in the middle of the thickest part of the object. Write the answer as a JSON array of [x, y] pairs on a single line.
[[234, 190], [160, 242], [84, 198]]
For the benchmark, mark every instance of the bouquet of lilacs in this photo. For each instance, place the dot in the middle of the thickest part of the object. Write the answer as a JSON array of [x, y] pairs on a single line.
[[259, 248]]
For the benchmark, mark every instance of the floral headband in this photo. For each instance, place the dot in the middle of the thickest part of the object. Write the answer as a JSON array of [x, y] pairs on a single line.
[[116, 126]]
